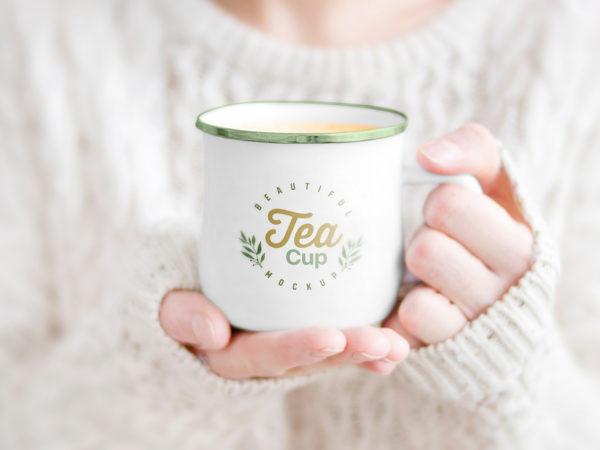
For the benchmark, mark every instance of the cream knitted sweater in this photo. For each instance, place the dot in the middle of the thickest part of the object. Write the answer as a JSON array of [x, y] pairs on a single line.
[[100, 175]]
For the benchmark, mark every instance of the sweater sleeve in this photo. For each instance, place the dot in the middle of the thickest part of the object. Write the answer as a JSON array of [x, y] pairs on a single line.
[[512, 366], [493, 348]]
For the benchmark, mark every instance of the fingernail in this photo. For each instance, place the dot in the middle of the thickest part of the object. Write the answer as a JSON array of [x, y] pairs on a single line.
[[328, 351], [443, 151], [364, 355], [389, 361], [204, 331]]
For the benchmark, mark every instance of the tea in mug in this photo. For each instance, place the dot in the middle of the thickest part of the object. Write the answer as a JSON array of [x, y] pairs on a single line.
[[303, 127]]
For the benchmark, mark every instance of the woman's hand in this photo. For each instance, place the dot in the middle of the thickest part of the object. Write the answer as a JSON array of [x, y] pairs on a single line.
[[190, 318], [470, 251], [472, 247]]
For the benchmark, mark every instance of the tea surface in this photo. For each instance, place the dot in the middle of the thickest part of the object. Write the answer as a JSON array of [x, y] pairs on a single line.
[[303, 127]]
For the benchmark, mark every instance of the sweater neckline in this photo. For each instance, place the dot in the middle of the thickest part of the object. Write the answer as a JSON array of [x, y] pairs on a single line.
[[453, 31]]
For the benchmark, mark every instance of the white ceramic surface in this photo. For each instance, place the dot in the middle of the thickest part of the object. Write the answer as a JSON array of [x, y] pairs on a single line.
[[352, 192]]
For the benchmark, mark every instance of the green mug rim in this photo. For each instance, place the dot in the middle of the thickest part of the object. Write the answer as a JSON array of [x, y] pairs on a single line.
[[304, 138]]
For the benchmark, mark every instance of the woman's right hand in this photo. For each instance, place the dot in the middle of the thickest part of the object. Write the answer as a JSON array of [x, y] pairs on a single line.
[[191, 319]]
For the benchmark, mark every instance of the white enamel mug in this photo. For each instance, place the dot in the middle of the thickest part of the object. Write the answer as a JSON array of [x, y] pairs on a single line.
[[304, 229]]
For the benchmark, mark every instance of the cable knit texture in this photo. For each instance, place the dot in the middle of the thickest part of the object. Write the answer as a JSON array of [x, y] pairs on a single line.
[[100, 188]]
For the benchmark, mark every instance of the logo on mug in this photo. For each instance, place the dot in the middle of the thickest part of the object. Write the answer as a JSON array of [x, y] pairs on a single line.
[[295, 238]]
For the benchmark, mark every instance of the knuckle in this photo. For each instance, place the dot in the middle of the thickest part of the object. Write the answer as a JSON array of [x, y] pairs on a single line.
[[324, 338], [522, 255], [284, 355], [220, 369], [423, 251], [233, 366], [443, 205], [479, 137], [479, 132], [523, 262], [412, 313]]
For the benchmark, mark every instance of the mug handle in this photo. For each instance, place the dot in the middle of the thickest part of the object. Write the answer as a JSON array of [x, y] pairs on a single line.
[[418, 175]]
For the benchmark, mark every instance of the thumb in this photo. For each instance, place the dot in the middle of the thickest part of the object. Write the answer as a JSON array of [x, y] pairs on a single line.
[[190, 318], [470, 149]]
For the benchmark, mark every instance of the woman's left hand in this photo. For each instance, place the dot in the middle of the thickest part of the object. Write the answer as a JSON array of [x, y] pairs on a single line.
[[471, 249]]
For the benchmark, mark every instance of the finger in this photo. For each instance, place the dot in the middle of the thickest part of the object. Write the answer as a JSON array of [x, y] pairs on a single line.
[[273, 353], [399, 350], [448, 267], [399, 347], [189, 317], [482, 226], [430, 316], [362, 344], [381, 367], [470, 149], [393, 322]]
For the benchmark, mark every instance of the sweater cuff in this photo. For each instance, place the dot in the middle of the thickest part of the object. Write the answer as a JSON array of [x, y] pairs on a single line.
[[165, 259], [493, 349]]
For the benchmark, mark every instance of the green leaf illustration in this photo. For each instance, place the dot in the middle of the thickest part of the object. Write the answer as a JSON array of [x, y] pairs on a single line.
[[352, 255], [255, 254]]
